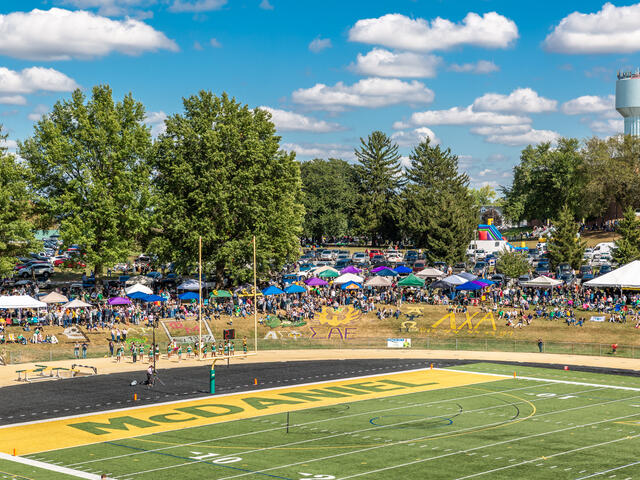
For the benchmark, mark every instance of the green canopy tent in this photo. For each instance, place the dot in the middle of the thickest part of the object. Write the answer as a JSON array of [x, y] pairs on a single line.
[[329, 274], [411, 281]]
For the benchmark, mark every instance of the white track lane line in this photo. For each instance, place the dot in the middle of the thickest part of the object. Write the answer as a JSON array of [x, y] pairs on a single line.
[[301, 424], [559, 454], [50, 467], [444, 434]]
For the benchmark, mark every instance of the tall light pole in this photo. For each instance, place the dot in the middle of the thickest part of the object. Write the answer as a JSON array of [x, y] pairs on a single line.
[[200, 298], [255, 299]]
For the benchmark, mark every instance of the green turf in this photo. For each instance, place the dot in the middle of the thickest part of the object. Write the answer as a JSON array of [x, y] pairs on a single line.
[[506, 429], [15, 471]]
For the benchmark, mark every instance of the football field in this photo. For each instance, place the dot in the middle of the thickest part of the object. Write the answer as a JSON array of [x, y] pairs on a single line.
[[473, 421]]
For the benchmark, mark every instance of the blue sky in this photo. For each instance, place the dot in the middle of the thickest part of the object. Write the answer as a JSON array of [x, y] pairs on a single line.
[[484, 78]]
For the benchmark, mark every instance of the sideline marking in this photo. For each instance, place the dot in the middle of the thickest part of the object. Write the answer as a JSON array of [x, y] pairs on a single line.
[[54, 434], [567, 382], [49, 466]]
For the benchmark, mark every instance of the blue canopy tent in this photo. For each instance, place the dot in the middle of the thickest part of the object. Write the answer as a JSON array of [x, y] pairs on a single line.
[[293, 288], [272, 290], [153, 298], [350, 286], [189, 296], [137, 295], [469, 286], [402, 270], [387, 272]]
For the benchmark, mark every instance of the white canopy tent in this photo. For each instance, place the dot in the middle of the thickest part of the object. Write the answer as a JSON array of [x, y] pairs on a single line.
[[54, 297], [192, 285], [378, 281], [138, 287], [20, 301], [348, 277], [627, 276], [542, 282], [430, 273], [139, 279], [76, 304]]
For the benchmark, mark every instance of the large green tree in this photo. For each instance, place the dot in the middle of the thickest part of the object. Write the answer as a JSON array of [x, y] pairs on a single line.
[[89, 159], [565, 245], [546, 179], [512, 263], [220, 174], [329, 197], [439, 211], [16, 210], [628, 243], [613, 168], [379, 177]]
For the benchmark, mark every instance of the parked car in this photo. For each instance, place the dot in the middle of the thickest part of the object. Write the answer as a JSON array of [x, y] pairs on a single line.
[[36, 268], [499, 279], [373, 253], [359, 258], [480, 268], [459, 267], [342, 263], [585, 273], [419, 265], [568, 278], [605, 268], [562, 269], [442, 266], [326, 255], [378, 260], [543, 269], [524, 278]]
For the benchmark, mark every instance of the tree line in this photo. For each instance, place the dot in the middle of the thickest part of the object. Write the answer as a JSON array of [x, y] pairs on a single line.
[[92, 169]]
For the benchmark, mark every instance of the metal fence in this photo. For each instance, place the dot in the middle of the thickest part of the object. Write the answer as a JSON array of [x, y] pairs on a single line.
[[23, 353]]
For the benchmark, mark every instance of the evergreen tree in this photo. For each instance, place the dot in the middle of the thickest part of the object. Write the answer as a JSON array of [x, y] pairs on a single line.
[[89, 160], [512, 263], [329, 197], [566, 246], [16, 211], [379, 179], [220, 174], [440, 215], [628, 243]]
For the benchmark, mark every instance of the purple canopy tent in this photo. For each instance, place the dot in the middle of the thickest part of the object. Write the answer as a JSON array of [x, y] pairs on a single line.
[[377, 269], [119, 301], [315, 282], [350, 269]]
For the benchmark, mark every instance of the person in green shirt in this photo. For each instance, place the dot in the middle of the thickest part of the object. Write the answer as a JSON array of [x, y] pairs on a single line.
[[226, 349], [141, 351], [189, 351], [179, 352], [204, 350]]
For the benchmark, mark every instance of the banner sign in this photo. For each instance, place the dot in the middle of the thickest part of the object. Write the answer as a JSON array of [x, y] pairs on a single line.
[[398, 342]]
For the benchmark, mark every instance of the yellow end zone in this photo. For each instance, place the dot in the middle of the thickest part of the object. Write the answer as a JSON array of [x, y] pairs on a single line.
[[67, 432]]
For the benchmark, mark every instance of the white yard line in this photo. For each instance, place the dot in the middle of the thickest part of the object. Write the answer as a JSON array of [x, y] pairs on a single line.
[[566, 452], [403, 442], [433, 402], [609, 471], [50, 467]]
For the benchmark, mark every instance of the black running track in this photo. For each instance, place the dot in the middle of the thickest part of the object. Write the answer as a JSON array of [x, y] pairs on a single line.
[[59, 398]]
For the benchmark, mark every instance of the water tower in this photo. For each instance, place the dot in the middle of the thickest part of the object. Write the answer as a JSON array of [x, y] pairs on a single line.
[[628, 101]]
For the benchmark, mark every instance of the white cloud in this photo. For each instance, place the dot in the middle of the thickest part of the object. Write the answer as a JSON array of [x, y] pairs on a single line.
[[521, 100], [608, 127], [294, 122], [587, 104], [59, 34], [197, 46], [111, 8], [156, 121], [462, 116], [215, 43], [531, 137], [35, 79], [368, 92], [611, 30], [265, 5], [500, 129], [413, 137], [320, 150], [10, 145], [383, 63], [38, 112], [319, 44], [480, 67], [490, 30], [13, 100], [180, 6]]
